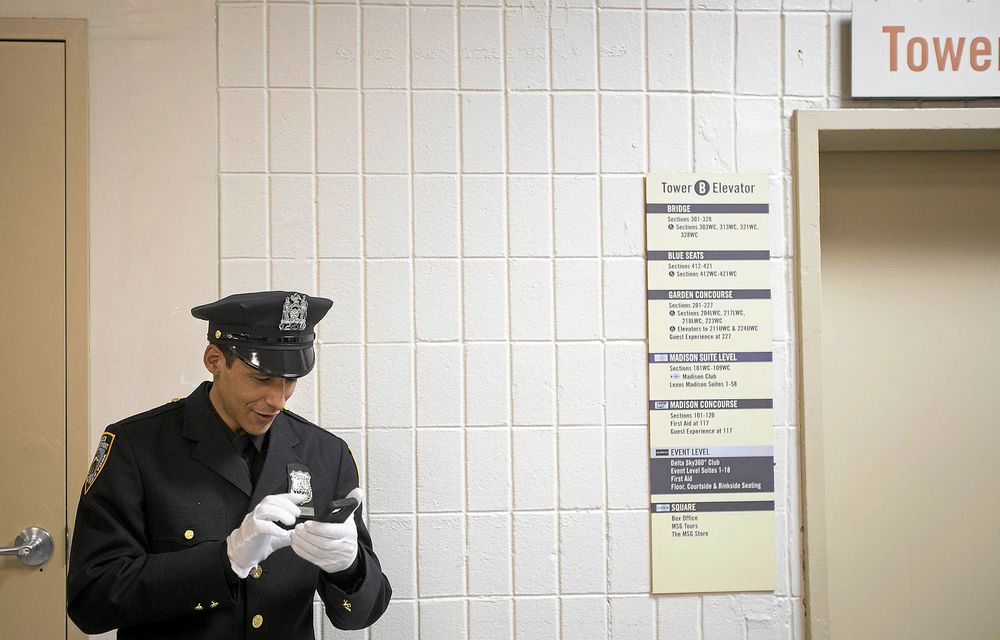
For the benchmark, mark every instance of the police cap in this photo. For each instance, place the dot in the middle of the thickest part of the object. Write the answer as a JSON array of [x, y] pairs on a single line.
[[271, 331]]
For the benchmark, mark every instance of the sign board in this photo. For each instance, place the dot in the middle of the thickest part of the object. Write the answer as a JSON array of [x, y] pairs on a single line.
[[711, 459], [910, 49]]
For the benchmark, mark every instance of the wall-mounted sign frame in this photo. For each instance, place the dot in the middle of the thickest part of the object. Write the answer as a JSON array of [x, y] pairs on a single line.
[[711, 437]]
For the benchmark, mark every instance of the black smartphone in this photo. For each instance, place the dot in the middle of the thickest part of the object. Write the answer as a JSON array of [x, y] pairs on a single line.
[[337, 510]]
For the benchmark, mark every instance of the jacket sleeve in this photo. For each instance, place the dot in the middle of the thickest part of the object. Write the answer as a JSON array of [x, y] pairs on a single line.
[[114, 580], [356, 600]]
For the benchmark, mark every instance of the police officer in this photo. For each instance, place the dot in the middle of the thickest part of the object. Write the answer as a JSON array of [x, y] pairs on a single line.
[[194, 520]]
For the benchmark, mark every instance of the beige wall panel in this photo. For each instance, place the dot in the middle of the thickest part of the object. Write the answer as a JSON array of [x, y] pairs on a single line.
[[153, 195]]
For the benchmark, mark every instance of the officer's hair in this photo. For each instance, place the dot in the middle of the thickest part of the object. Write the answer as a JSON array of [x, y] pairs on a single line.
[[227, 353]]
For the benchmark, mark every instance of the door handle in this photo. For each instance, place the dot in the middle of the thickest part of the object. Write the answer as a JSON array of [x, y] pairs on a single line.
[[33, 547]]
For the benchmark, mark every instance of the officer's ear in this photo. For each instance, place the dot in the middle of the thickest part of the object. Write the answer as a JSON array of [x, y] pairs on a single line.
[[214, 359]]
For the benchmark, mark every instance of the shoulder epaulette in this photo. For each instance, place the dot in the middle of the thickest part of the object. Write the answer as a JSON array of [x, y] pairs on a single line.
[[173, 405], [298, 418]]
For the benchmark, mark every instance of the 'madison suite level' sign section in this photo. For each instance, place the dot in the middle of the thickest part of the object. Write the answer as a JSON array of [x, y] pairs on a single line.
[[711, 459], [912, 49]]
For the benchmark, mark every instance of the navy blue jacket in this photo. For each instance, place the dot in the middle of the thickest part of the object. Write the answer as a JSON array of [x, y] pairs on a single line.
[[148, 555]]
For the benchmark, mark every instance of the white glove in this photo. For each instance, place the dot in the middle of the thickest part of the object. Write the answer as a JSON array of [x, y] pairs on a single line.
[[259, 536], [331, 546]]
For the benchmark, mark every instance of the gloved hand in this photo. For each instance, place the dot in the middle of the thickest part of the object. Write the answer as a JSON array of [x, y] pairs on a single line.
[[259, 536], [331, 546]]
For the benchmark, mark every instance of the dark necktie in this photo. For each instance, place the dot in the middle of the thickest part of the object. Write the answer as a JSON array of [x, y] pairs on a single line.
[[250, 455]]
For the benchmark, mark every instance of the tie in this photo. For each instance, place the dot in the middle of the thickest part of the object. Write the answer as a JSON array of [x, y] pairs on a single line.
[[250, 455]]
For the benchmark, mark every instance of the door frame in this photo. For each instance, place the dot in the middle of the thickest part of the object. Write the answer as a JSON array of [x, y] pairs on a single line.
[[73, 33], [814, 132]]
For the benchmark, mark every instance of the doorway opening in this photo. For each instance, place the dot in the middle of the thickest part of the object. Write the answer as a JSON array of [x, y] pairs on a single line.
[[899, 287]]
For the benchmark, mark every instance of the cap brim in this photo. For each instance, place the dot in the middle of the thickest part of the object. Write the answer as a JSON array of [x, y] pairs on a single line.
[[278, 363]]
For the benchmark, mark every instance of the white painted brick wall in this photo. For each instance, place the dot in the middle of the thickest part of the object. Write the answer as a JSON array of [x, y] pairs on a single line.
[[575, 132], [528, 129], [489, 556], [581, 552], [527, 46], [337, 44], [465, 181], [387, 123], [435, 215], [536, 553], [293, 230], [289, 45], [491, 618], [534, 464], [432, 36], [573, 36], [487, 387], [243, 215], [584, 618], [439, 386], [536, 618], [443, 619], [529, 201], [487, 465], [438, 290], [242, 130], [482, 132], [435, 134], [441, 571], [339, 209], [338, 132], [242, 56], [484, 220]]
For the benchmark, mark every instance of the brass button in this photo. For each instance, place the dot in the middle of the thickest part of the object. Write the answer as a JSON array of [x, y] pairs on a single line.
[[256, 572], [218, 334], [213, 605], [175, 399], [257, 621], [198, 607], [188, 534]]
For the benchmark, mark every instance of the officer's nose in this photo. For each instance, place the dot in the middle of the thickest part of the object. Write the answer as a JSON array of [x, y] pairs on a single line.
[[277, 393]]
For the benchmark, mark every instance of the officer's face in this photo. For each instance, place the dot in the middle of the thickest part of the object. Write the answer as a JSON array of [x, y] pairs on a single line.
[[244, 397]]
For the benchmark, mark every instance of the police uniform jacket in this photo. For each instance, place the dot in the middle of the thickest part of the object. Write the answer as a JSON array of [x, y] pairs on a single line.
[[149, 545]]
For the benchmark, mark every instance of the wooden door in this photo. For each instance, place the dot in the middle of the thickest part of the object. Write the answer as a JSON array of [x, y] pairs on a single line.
[[43, 278]]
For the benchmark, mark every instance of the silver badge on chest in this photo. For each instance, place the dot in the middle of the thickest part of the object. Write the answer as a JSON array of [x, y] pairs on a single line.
[[293, 314], [300, 483]]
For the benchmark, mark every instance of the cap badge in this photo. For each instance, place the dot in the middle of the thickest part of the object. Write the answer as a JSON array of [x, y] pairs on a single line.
[[293, 315]]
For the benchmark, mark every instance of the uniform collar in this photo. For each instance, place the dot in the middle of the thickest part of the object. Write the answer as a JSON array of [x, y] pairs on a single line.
[[214, 446], [215, 450]]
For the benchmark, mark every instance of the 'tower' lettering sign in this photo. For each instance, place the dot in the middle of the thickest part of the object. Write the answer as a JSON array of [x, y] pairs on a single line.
[[911, 49]]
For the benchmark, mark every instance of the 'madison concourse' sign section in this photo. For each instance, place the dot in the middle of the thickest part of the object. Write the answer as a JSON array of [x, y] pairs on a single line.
[[711, 463], [911, 49]]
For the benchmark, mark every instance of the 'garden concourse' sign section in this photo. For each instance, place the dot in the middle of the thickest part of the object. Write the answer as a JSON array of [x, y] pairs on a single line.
[[711, 465]]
